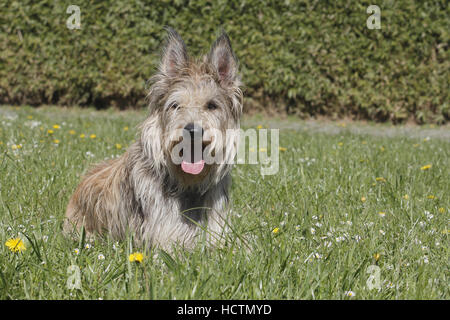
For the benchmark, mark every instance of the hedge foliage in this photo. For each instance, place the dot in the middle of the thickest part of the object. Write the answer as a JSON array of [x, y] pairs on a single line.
[[304, 57]]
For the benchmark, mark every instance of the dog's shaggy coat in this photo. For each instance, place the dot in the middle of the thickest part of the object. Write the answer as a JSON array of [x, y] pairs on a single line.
[[144, 191]]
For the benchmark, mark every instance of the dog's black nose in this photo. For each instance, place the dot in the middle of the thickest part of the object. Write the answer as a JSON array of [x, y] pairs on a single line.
[[194, 130]]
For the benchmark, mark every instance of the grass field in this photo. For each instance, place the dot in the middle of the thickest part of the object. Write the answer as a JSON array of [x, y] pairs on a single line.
[[347, 196]]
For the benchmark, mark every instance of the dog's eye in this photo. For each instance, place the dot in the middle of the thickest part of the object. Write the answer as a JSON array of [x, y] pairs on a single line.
[[211, 106], [174, 105]]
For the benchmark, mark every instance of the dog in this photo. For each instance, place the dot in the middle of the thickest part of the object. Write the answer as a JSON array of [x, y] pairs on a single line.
[[163, 202]]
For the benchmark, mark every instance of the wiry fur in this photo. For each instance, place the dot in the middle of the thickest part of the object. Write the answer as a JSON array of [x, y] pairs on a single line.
[[143, 191]]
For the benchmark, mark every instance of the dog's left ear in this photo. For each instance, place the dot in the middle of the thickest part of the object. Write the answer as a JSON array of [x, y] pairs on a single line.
[[223, 59]]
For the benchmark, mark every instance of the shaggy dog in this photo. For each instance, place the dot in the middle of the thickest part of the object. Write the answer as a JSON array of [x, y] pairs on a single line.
[[161, 189]]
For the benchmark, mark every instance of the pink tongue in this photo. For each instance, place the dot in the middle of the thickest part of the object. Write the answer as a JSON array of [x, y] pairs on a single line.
[[193, 168]]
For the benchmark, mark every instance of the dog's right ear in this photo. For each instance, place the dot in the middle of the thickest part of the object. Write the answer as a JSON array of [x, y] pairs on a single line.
[[174, 56], [223, 59]]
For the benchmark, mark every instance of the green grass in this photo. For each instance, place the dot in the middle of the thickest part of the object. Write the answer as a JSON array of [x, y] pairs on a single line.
[[327, 238]]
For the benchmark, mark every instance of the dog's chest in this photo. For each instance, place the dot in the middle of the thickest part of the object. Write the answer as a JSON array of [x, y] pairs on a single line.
[[192, 206]]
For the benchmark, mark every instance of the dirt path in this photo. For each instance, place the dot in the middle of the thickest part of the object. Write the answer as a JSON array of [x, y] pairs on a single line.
[[360, 128]]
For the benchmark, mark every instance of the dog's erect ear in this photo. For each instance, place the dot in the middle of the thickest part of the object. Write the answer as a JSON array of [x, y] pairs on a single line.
[[223, 59], [174, 56]]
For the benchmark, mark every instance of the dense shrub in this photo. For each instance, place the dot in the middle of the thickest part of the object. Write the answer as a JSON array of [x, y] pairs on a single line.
[[304, 57]]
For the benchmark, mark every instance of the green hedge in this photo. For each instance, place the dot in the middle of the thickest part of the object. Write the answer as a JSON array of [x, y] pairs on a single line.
[[302, 57]]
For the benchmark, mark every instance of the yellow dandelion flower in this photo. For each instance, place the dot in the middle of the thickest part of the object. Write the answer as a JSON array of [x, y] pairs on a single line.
[[340, 144], [376, 256], [50, 131], [282, 149], [82, 136], [92, 136], [136, 257], [125, 129], [428, 166], [364, 142], [276, 230], [16, 146], [380, 179], [363, 199], [406, 197], [382, 214], [56, 141], [15, 245], [118, 146], [72, 132], [431, 197], [381, 149], [441, 210], [259, 126], [56, 126], [30, 117]]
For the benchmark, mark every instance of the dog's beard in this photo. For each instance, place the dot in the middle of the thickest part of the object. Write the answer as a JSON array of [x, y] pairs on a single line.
[[200, 163], [186, 160], [191, 151]]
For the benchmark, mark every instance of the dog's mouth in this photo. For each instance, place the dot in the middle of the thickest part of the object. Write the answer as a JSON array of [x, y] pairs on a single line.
[[193, 168], [193, 162]]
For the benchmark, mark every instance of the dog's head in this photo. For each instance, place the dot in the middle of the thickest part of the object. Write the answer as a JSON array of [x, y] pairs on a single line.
[[195, 107]]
